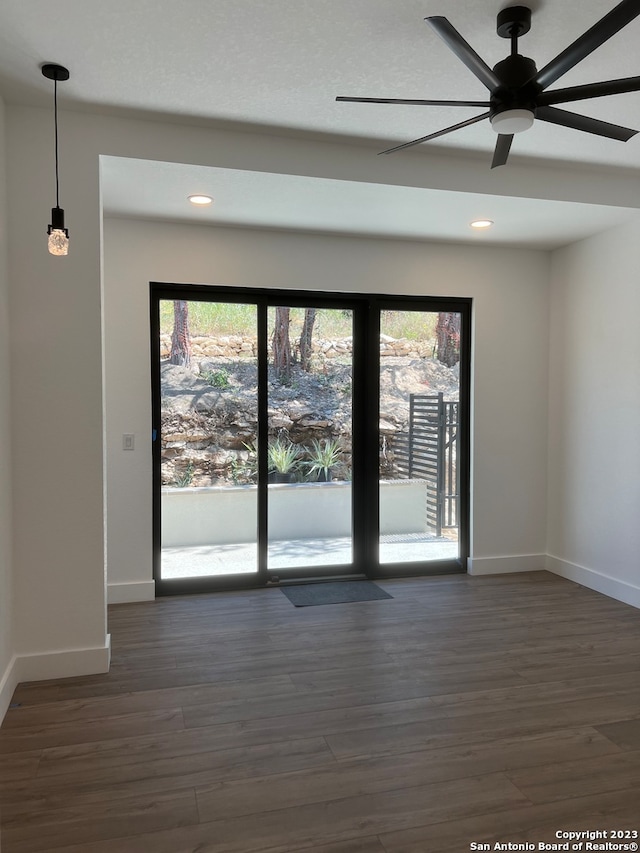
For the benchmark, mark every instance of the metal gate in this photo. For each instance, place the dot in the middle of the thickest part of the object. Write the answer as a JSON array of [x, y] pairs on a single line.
[[430, 453]]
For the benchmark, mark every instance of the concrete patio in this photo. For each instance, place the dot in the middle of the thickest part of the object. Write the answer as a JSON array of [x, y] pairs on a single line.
[[212, 531], [288, 554]]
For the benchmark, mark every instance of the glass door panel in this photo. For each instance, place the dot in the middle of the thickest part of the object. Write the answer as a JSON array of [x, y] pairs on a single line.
[[419, 444], [208, 432], [309, 439]]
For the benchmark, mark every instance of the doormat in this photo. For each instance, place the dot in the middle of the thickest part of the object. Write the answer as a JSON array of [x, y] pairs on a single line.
[[341, 592]]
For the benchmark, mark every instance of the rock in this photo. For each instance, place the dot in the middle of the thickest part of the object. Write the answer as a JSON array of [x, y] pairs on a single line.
[[280, 421], [170, 452], [209, 427], [174, 438], [312, 423], [297, 411]]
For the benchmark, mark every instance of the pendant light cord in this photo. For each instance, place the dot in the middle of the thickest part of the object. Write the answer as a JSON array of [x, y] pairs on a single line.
[[55, 111]]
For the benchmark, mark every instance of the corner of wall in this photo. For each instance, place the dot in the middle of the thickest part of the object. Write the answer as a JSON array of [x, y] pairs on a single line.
[[127, 592], [506, 565], [624, 591], [593, 493], [8, 684], [63, 663], [7, 657]]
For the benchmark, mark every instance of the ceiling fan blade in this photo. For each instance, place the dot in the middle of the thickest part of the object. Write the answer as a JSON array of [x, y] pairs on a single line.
[[589, 125], [589, 90], [463, 51], [503, 146], [600, 32], [414, 101], [437, 133]]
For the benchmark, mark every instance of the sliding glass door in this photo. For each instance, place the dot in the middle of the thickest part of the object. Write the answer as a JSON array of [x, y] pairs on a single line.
[[301, 436], [419, 470], [309, 408], [208, 431]]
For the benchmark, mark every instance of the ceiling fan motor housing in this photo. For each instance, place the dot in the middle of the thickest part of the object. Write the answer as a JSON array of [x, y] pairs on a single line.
[[516, 74], [517, 90]]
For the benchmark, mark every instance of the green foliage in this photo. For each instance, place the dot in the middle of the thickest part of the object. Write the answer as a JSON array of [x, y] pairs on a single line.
[[323, 455], [412, 325], [185, 479], [230, 318], [217, 378], [287, 381], [329, 323], [245, 470], [212, 318], [283, 456]]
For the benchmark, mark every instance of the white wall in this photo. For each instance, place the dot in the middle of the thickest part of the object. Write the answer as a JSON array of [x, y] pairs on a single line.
[[56, 419], [7, 681], [510, 363], [56, 405], [594, 426]]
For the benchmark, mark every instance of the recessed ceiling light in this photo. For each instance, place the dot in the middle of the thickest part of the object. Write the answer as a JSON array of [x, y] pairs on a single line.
[[197, 198], [481, 223]]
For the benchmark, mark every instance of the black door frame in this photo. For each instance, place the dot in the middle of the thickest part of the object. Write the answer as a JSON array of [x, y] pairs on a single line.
[[366, 310]]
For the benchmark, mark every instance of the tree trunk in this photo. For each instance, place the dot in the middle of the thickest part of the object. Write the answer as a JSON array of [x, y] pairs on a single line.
[[282, 345], [306, 338], [448, 338], [180, 337]]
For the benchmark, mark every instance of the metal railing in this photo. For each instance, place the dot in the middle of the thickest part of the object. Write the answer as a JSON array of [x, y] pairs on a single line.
[[430, 452]]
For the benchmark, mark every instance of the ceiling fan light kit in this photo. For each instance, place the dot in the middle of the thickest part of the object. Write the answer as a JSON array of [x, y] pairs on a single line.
[[512, 121], [517, 96]]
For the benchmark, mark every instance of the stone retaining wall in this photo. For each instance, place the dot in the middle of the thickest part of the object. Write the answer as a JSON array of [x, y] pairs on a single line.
[[238, 346]]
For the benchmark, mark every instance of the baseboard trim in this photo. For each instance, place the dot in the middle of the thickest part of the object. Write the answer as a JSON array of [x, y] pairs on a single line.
[[506, 565], [8, 684], [621, 590], [66, 663], [124, 593]]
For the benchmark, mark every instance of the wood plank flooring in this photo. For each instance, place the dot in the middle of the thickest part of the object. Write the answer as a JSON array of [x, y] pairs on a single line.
[[462, 710]]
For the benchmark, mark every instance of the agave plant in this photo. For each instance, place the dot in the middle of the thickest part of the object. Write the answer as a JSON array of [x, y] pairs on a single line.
[[323, 455], [283, 457]]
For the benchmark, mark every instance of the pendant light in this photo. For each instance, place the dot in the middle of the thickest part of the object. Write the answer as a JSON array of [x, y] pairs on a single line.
[[58, 235]]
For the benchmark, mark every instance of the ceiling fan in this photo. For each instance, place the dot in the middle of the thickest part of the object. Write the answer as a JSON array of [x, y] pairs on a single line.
[[517, 93]]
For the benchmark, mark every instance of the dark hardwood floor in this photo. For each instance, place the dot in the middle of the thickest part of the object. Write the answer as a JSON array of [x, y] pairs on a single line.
[[462, 710]]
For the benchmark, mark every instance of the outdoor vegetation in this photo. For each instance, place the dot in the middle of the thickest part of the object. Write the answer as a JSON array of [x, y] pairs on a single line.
[[230, 318], [209, 401]]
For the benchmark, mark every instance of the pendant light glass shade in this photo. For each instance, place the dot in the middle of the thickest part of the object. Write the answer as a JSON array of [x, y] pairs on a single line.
[[58, 235], [58, 243]]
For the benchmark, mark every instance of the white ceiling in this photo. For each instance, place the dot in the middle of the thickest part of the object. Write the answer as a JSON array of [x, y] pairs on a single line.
[[152, 190], [280, 64]]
